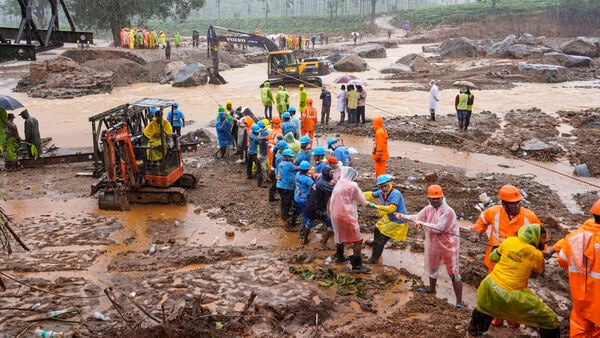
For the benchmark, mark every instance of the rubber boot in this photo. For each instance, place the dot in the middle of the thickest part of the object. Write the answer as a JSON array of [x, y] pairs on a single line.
[[377, 251], [479, 324], [339, 253], [432, 116], [357, 266], [550, 333]]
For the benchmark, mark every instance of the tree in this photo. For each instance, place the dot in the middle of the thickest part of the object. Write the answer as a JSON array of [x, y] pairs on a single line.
[[372, 14], [116, 14]]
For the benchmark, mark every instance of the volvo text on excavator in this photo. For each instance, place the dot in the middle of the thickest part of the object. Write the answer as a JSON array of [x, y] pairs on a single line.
[[136, 170], [283, 66]]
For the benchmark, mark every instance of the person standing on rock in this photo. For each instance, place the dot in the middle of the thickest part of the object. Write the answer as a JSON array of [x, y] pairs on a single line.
[[168, 51], [341, 103], [505, 293], [581, 258], [380, 153], [389, 226], [442, 240], [266, 96], [461, 102], [342, 208], [433, 99], [470, 102], [325, 105], [176, 118], [32, 134]]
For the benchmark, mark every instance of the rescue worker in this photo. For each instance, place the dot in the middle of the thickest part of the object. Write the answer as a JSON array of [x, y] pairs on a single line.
[[32, 134], [461, 103], [124, 36], [303, 98], [163, 39], [506, 219], [504, 292], [267, 99], [277, 158], [287, 126], [132, 34], [263, 137], [303, 182], [253, 139], [433, 99], [309, 120], [168, 51], [441, 240], [295, 119], [340, 152], [325, 105], [580, 256], [283, 100], [293, 144], [389, 226], [177, 40], [319, 155], [342, 208], [380, 153], [12, 141], [234, 127], [305, 152], [223, 129], [316, 209], [272, 141], [177, 119], [157, 132], [153, 39], [286, 172], [352, 97], [470, 102]]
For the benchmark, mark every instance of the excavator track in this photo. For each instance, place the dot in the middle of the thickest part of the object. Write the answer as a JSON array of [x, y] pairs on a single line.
[[187, 181], [145, 195]]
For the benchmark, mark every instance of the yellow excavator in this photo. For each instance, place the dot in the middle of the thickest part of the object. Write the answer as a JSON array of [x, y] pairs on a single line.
[[283, 65]]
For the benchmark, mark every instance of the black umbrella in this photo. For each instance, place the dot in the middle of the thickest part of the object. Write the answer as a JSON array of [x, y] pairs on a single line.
[[8, 103]]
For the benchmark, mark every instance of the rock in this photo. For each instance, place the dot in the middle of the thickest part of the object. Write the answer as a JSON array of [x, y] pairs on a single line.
[[583, 46], [396, 68], [500, 49], [526, 39], [371, 51], [551, 221], [534, 145], [390, 44], [541, 40], [191, 76], [233, 60], [546, 73], [431, 49], [416, 62], [519, 51], [557, 58], [431, 177], [173, 67], [129, 71], [351, 63], [461, 47], [88, 54]]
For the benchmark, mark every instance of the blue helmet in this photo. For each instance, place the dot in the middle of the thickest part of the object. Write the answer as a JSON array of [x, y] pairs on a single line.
[[292, 108], [286, 115], [385, 178], [304, 165], [319, 151], [153, 110], [288, 152], [331, 141], [305, 139], [261, 124], [175, 104], [282, 144], [255, 128]]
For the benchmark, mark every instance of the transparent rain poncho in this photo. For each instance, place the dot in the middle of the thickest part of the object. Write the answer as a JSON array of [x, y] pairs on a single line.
[[343, 207]]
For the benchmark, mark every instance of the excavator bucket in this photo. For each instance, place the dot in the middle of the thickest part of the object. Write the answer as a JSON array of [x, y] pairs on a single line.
[[113, 200]]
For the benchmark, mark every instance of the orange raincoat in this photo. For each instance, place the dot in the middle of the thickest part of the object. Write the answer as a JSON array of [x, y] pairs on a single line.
[[309, 120], [380, 148]]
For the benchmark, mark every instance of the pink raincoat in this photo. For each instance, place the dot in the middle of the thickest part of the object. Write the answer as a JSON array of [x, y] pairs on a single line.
[[342, 207], [441, 238]]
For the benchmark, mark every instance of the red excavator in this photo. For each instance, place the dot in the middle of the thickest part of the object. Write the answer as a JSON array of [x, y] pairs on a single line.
[[129, 176]]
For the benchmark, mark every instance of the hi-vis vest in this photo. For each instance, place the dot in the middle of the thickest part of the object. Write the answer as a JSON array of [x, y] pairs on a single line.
[[463, 99]]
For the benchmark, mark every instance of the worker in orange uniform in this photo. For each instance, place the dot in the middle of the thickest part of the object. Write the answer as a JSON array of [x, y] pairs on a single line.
[[506, 219], [380, 147], [580, 256], [272, 142], [309, 120]]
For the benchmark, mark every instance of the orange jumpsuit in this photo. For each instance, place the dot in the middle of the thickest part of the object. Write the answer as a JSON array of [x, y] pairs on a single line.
[[580, 256], [309, 120], [272, 140], [502, 227], [380, 148]]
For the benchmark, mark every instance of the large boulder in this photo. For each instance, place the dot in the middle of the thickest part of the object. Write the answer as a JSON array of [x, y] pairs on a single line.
[[233, 60], [520, 51], [370, 51], [542, 72], [192, 75], [416, 62], [431, 49], [460, 47], [173, 68], [396, 68], [351, 63], [583, 46], [560, 59], [500, 49], [526, 39]]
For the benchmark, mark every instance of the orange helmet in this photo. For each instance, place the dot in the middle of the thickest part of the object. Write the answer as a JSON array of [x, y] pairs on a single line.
[[596, 208], [509, 193], [435, 191]]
